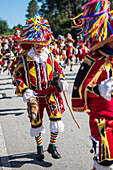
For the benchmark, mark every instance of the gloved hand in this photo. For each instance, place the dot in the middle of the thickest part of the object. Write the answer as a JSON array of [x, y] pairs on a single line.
[[106, 88], [56, 81], [28, 94], [65, 85], [34, 110]]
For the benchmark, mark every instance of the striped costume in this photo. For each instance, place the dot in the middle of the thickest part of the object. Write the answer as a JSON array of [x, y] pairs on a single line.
[[35, 73]]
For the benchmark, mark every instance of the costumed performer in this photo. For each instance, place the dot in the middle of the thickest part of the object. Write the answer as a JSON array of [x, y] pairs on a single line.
[[40, 80], [61, 51], [69, 51], [93, 86]]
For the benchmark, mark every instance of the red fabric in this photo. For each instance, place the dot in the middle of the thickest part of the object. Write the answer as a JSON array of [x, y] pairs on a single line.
[[76, 102], [54, 51], [81, 53], [101, 108], [107, 130], [69, 51], [46, 91], [13, 66]]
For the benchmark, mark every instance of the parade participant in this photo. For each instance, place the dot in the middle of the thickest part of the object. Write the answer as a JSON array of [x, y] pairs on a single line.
[[93, 86], [16, 34], [54, 46], [12, 55], [69, 51], [15, 51], [15, 46], [40, 81], [6, 54], [1, 55], [81, 51], [61, 51], [10, 42]]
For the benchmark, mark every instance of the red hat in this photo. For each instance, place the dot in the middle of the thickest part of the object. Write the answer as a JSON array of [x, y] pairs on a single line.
[[17, 30]]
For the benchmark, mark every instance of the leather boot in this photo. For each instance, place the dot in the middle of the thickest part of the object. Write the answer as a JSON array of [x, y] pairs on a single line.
[[40, 153], [53, 151]]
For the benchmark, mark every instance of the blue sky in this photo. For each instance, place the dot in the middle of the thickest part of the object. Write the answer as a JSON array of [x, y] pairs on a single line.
[[13, 11]]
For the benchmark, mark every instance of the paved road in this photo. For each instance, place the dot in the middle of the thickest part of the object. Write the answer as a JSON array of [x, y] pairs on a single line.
[[18, 148]]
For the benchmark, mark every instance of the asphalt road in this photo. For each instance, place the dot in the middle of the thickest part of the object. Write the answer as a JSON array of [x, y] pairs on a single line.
[[18, 148]]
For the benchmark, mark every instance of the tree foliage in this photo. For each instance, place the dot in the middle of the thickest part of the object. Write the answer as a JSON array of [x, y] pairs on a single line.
[[59, 12], [3, 26], [32, 9], [5, 30]]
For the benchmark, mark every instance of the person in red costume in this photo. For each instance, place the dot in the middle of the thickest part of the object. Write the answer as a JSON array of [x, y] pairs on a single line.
[[16, 34], [61, 51], [69, 51], [53, 46], [6, 54], [81, 50], [40, 81], [15, 52], [93, 86], [1, 55]]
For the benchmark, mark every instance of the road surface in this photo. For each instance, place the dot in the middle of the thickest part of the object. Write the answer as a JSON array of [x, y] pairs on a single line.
[[18, 148]]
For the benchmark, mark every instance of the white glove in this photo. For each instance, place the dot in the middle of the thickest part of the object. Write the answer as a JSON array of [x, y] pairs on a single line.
[[65, 85], [76, 51], [29, 93], [106, 88]]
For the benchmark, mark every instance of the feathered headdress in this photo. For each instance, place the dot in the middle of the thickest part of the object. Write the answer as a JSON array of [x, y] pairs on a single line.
[[36, 30], [96, 23]]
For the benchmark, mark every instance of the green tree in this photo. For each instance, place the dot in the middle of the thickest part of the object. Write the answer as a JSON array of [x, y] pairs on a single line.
[[59, 12], [32, 9], [111, 5], [3, 26]]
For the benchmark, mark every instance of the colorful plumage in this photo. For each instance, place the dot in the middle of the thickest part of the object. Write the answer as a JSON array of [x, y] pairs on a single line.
[[36, 30], [96, 23]]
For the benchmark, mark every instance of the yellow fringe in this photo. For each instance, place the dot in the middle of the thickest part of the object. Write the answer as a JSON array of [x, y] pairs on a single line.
[[76, 16]]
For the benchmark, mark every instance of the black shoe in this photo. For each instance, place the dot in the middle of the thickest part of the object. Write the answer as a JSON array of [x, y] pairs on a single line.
[[52, 149], [40, 153], [71, 69]]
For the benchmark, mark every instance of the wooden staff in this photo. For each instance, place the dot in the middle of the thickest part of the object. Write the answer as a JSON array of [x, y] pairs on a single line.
[[70, 109]]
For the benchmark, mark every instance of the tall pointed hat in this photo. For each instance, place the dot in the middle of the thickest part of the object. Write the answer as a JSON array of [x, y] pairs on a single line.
[[96, 23]]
